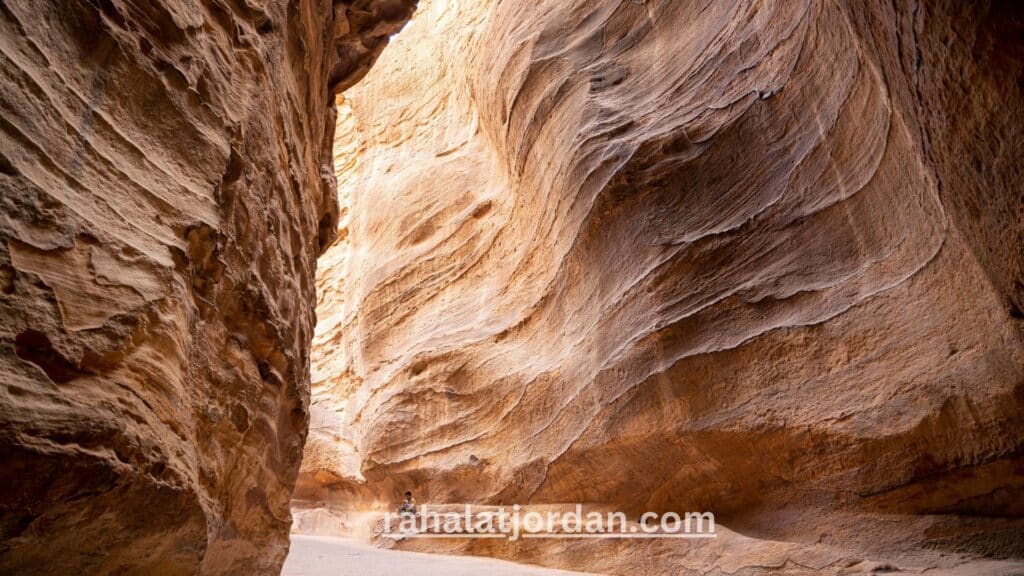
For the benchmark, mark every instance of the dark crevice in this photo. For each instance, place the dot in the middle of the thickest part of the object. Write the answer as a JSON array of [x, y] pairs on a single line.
[[7, 276], [34, 347], [6, 167]]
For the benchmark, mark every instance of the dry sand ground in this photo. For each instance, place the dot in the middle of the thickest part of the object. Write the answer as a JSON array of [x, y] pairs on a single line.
[[328, 556]]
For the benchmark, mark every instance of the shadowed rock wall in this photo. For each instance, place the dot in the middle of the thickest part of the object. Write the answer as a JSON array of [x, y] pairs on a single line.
[[166, 189], [758, 258]]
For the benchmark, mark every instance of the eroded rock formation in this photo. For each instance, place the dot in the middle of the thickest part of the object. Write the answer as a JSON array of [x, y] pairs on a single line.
[[166, 189], [763, 259]]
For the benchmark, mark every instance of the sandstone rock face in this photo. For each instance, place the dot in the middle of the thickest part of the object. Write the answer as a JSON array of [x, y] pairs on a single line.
[[166, 189], [763, 259]]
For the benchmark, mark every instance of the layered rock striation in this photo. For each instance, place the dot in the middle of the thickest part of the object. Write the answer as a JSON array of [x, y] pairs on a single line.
[[166, 190], [762, 259]]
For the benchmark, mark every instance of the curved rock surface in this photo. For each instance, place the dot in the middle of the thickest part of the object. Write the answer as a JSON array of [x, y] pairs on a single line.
[[166, 189], [762, 259]]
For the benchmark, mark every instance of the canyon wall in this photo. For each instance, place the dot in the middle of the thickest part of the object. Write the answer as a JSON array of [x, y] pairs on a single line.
[[166, 190], [758, 258]]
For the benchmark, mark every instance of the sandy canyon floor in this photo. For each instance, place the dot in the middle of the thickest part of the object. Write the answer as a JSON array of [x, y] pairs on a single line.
[[328, 556]]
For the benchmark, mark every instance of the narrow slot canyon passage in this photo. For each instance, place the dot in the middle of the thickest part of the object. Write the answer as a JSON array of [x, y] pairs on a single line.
[[655, 256], [513, 287]]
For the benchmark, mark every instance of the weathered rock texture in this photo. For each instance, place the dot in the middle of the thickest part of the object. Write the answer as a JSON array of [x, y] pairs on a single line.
[[166, 189], [759, 258]]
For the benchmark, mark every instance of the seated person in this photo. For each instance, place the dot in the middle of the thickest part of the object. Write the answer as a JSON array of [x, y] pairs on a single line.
[[408, 505]]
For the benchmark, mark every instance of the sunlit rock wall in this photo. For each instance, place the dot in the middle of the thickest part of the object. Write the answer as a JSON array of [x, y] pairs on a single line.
[[166, 189], [757, 258]]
